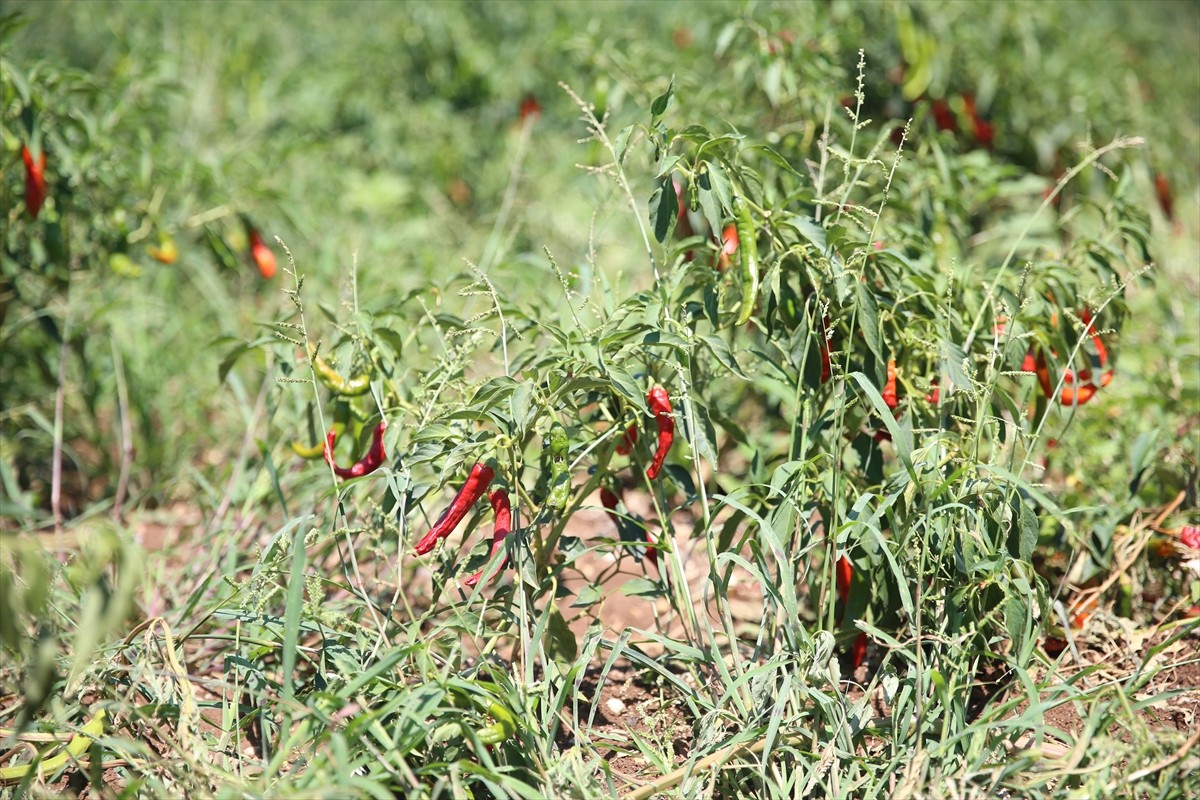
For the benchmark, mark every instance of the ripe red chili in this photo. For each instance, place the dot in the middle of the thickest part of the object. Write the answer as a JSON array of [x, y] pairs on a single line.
[[858, 650], [372, 461], [823, 346], [660, 406], [985, 134], [1162, 191], [609, 499], [35, 181], [477, 483], [729, 246], [934, 393], [1190, 537], [500, 528], [889, 388], [943, 116], [262, 255], [845, 573], [530, 107], [626, 445]]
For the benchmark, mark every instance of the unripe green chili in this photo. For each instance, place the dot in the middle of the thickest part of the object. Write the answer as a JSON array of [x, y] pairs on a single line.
[[748, 244], [504, 726], [341, 418], [333, 380], [560, 476]]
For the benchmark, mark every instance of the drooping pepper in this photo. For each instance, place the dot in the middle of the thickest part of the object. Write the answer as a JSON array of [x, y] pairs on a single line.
[[262, 256], [729, 246], [167, 252], [333, 380], [889, 388], [502, 510], [628, 441], [1071, 394], [341, 417], [372, 461], [748, 245], [477, 483], [823, 348], [560, 475], [660, 406], [845, 573], [35, 181], [844, 576], [934, 393]]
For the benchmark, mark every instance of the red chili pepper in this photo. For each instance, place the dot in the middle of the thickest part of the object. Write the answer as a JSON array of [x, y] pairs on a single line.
[[660, 406], [500, 528], [262, 255], [858, 650], [845, 573], [1072, 395], [1162, 191], [934, 393], [372, 461], [823, 346], [1030, 362], [985, 134], [477, 483], [943, 116], [609, 499], [35, 181], [530, 107], [729, 246], [626, 445], [889, 388], [1190, 537]]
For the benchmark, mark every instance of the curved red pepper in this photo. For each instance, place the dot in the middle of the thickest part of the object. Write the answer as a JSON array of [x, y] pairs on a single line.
[[660, 406], [372, 461], [889, 388], [35, 181], [934, 393], [845, 573], [823, 346], [500, 528], [628, 441], [262, 255], [858, 650], [477, 483]]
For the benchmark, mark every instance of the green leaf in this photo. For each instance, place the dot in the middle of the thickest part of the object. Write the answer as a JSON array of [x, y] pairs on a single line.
[[664, 209], [659, 106]]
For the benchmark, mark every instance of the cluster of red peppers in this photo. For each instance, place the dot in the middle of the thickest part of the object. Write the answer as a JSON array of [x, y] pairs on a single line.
[[35, 181], [1078, 387], [475, 487], [659, 403]]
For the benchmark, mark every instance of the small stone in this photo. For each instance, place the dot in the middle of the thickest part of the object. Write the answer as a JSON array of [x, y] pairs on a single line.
[[614, 706]]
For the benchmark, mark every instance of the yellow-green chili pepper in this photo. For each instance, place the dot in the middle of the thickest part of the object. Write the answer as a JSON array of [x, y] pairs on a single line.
[[560, 476], [333, 380], [748, 245], [74, 749], [341, 418]]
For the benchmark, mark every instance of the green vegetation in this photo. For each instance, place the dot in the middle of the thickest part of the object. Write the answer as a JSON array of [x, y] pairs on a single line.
[[917, 281]]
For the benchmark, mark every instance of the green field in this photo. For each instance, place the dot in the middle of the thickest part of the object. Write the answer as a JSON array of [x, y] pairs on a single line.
[[813, 389]]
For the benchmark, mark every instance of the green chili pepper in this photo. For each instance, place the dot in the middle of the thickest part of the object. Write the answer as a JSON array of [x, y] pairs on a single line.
[[505, 724], [560, 475], [748, 244], [333, 380], [341, 418]]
